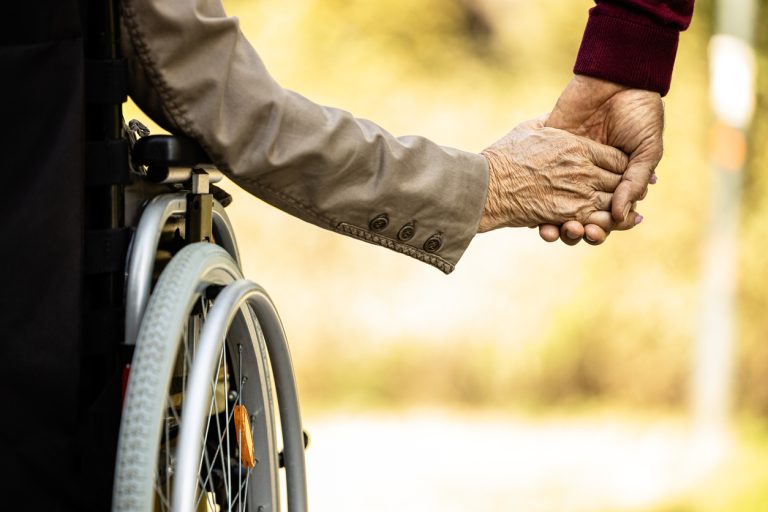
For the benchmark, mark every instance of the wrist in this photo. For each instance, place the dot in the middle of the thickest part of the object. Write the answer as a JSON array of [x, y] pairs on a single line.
[[638, 54], [583, 97], [598, 87], [491, 210]]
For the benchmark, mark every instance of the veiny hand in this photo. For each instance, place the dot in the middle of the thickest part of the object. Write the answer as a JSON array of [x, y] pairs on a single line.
[[542, 175], [629, 119]]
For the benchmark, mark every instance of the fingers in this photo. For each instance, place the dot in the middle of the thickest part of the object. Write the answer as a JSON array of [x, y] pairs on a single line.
[[549, 232], [593, 235], [594, 232], [598, 227], [626, 193], [602, 220], [571, 232], [632, 220], [606, 157], [633, 186], [603, 200], [605, 181]]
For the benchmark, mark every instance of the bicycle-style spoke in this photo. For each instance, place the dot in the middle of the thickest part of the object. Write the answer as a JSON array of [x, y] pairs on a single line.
[[223, 453], [225, 460], [165, 503], [242, 492], [212, 410], [239, 402]]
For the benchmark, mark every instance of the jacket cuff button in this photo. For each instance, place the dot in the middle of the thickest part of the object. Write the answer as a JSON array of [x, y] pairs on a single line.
[[406, 232], [433, 243], [379, 223]]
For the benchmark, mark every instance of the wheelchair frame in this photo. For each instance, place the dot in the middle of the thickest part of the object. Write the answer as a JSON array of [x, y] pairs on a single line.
[[158, 324], [128, 323]]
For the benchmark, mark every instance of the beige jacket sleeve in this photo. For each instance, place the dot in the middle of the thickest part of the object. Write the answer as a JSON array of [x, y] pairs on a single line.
[[193, 71]]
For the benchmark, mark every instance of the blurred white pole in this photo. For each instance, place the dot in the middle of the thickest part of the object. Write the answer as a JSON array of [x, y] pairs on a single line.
[[732, 94]]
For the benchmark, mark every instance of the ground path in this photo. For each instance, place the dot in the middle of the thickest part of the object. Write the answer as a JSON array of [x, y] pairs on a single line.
[[424, 461]]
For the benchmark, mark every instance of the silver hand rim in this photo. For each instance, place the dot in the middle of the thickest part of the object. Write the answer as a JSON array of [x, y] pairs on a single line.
[[141, 260]]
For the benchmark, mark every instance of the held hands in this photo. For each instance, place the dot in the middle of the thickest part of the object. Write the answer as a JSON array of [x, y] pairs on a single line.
[[631, 120], [541, 175]]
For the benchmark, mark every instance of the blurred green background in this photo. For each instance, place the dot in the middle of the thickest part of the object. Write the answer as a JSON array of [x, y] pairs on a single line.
[[536, 376]]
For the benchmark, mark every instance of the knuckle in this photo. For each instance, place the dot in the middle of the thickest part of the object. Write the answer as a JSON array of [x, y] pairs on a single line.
[[573, 147], [593, 197]]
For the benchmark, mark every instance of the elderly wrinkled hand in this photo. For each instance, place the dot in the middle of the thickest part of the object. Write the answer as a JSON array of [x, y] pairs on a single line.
[[541, 175], [631, 120]]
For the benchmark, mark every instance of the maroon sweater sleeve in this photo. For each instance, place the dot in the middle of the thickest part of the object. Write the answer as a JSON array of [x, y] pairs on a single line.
[[633, 42]]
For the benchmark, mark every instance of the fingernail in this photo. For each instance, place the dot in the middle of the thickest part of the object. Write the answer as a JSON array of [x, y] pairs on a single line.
[[638, 219], [572, 236], [653, 179], [589, 240]]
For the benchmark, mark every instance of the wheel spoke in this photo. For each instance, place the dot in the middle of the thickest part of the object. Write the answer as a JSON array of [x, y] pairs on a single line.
[[225, 460], [212, 410], [239, 402]]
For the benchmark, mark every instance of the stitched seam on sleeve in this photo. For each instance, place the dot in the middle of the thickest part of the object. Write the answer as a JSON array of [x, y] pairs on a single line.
[[282, 195], [139, 43], [179, 115], [362, 234]]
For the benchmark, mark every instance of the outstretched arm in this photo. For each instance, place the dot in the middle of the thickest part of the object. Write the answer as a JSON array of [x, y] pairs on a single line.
[[193, 71]]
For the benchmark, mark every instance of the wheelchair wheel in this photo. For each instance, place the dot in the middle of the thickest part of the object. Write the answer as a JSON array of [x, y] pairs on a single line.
[[223, 345], [156, 403]]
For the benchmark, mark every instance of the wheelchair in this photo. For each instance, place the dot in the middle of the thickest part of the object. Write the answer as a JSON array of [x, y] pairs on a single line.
[[188, 389], [210, 378]]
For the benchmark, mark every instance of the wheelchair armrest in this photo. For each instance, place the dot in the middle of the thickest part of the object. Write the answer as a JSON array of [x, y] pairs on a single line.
[[166, 155], [169, 151]]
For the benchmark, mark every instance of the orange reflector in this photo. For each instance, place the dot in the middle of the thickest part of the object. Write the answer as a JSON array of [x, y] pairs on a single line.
[[244, 436]]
